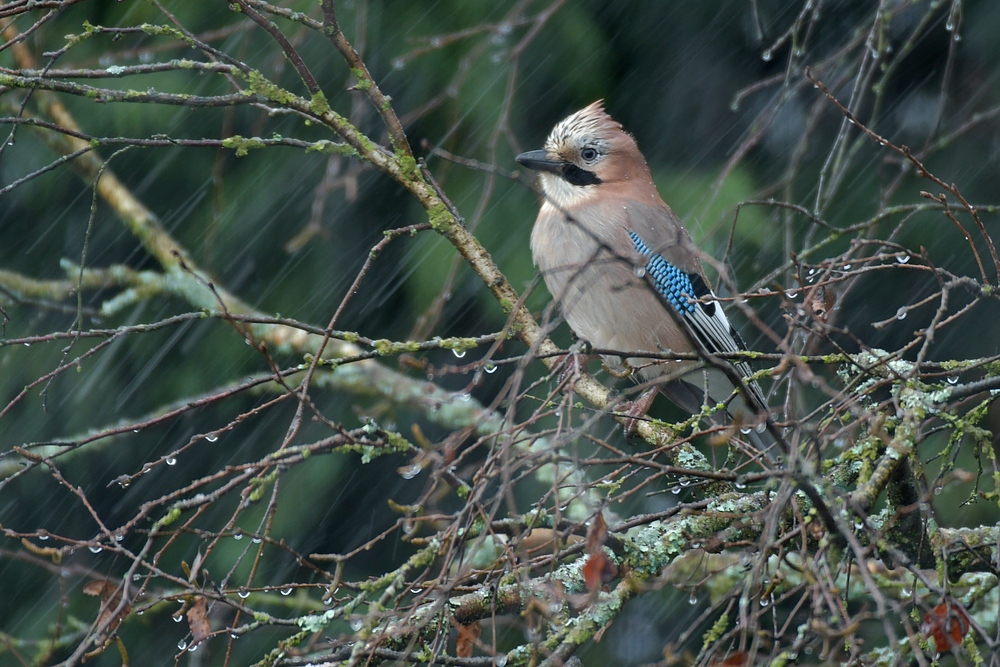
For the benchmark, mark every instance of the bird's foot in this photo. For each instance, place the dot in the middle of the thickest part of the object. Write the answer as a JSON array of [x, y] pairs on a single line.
[[634, 411], [569, 367], [620, 370]]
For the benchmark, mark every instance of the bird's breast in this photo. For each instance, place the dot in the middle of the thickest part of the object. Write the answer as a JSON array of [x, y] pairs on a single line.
[[588, 268]]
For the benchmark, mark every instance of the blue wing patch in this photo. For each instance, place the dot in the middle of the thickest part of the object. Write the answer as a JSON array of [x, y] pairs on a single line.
[[694, 301], [673, 284]]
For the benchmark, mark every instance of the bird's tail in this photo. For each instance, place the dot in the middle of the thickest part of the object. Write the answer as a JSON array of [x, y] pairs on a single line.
[[702, 386]]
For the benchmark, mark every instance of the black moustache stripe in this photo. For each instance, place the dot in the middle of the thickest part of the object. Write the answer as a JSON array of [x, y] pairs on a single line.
[[573, 175]]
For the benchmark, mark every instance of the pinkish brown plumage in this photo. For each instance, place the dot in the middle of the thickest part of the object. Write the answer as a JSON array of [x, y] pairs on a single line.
[[600, 210]]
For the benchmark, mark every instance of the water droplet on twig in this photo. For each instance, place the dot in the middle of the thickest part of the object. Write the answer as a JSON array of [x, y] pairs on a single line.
[[410, 471]]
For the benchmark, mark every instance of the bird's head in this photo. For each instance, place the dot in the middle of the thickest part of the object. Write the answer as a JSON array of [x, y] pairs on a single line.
[[585, 153]]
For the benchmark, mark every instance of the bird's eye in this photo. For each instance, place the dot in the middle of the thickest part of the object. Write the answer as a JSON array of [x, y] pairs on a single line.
[[588, 154]]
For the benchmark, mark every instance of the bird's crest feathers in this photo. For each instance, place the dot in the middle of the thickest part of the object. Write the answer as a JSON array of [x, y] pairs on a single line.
[[591, 122]]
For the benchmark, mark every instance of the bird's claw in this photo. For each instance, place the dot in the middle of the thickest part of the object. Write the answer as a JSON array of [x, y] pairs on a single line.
[[569, 367], [632, 412]]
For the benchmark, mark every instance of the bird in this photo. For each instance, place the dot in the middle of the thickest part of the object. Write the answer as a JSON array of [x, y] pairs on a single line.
[[625, 273]]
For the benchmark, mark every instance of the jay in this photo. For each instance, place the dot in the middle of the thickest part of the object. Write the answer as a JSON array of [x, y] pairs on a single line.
[[624, 271]]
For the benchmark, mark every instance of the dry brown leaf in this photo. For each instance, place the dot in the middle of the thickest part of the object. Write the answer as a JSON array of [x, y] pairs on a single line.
[[467, 636], [111, 596], [198, 620], [947, 624], [599, 569]]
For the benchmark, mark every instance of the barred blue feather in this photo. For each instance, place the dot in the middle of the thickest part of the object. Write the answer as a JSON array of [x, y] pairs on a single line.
[[673, 284], [694, 301]]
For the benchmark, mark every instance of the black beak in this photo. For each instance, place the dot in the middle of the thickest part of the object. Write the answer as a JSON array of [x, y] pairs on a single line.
[[540, 161]]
